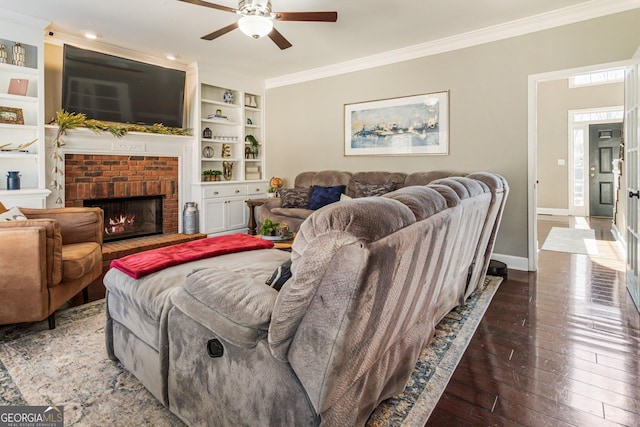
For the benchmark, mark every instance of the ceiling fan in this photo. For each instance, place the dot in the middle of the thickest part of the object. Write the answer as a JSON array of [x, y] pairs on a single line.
[[257, 19]]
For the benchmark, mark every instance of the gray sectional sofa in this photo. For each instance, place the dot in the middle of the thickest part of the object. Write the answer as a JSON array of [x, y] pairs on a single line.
[[371, 277], [357, 184]]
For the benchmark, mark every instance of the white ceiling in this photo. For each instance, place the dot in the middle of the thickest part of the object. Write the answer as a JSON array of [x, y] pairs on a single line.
[[364, 28]]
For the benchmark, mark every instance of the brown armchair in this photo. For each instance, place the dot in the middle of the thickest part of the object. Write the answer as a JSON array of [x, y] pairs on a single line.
[[46, 260]]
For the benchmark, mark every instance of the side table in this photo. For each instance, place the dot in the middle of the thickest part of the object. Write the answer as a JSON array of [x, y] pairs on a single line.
[[252, 203]]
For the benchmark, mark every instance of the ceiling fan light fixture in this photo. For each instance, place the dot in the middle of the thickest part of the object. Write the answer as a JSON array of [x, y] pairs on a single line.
[[255, 26]]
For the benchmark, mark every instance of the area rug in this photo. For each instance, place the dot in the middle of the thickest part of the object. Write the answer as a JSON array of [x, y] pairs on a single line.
[[571, 240], [69, 366]]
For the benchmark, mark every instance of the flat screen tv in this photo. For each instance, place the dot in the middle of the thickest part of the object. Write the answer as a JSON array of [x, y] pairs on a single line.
[[113, 89]]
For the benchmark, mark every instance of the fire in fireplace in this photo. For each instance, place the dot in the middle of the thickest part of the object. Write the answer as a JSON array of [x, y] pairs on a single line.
[[129, 217]]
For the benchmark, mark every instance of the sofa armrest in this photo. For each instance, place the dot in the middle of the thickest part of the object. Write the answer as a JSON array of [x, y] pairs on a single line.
[[22, 246], [235, 306], [77, 225], [272, 202], [49, 249]]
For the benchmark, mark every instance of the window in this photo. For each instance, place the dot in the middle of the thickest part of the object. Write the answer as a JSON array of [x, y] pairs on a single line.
[[597, 78]]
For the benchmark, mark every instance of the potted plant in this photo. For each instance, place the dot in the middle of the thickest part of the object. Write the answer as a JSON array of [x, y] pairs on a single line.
[[207, 175], [271, 191], [254, 144], [216, 174], [268, 227]]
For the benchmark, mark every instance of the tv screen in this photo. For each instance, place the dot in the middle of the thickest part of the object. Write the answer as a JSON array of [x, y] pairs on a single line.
[[113, 89]]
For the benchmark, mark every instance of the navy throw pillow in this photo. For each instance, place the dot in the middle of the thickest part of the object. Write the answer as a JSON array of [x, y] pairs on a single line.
[[322, 196], [280, 276]]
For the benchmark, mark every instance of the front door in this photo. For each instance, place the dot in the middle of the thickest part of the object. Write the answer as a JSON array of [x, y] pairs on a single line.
[[604, 147]]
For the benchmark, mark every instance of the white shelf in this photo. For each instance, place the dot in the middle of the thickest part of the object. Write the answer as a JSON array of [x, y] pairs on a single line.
[[256, 109], [7, 126], [14, 69], [253, 126], [222, 141], [220, 122], [18, 98], [17, 155], [219, 159], [221, 103]]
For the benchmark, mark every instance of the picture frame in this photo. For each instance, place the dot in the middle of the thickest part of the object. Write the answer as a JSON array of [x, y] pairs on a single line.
[[12, 116], [404, 126], [18, 87]]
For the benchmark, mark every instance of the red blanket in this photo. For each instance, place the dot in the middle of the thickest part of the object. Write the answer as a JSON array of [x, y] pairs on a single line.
[[143, 263]]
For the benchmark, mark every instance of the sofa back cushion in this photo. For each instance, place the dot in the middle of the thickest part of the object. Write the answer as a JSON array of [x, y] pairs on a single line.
[[326, 178], [426, 178], [370, 181]]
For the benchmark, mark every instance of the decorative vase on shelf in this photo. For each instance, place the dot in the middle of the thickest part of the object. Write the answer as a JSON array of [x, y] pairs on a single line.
[[13, 180], [207, 152], [3, 54], [228, 96], [206, 133], [226, 150], [227, 170], [18, 56]]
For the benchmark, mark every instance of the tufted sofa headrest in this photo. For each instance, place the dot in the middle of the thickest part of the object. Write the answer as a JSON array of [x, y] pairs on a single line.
[[423, 201], [464, 187], [326, 178]]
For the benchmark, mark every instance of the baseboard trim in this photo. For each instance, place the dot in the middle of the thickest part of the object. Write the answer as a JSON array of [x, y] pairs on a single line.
[[621, 243], [513, 262], [551, 211]]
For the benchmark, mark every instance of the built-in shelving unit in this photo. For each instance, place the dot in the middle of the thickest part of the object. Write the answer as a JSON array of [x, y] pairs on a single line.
[[224, 119], [22, 113]]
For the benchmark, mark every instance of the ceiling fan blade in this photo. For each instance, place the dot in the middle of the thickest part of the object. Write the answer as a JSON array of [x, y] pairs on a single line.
[[279, 39], [307, 16], [211, 5], [220, 32]]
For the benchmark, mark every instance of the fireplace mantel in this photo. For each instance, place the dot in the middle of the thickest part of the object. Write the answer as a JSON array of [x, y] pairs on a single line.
[[85, 141]]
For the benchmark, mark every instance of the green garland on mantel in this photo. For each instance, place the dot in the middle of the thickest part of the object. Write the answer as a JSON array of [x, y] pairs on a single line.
[[67, 121]]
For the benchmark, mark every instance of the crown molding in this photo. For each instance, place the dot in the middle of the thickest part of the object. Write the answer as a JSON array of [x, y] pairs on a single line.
[[18, 18], [59, 37], [565, 16]]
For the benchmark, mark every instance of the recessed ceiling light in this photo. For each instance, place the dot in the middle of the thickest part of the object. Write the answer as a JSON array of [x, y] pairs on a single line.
[[171, 56], [90, 35]]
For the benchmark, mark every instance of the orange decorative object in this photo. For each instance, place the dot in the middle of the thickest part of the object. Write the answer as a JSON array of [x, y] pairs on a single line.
[[276, 182]]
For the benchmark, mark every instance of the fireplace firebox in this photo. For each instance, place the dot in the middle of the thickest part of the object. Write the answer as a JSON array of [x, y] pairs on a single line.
[[129, 217]]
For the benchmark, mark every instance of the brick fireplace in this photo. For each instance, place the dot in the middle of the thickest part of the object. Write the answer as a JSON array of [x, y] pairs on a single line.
[[98, 176]]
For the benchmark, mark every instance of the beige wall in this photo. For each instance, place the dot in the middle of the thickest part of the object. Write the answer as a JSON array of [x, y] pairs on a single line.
[[555, 99], [52, 80], [488, 108]]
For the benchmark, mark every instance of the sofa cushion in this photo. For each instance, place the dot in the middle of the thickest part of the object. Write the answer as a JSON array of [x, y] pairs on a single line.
[[292, 212], [322, 196], [12, 214], [295, 197], [79, 259], [372, 190], [2, 208]]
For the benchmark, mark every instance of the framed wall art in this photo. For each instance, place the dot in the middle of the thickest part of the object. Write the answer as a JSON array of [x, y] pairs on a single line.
[[11, 116], [407, 126]]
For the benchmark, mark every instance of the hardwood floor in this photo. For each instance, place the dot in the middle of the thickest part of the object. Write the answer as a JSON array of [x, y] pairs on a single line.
[[558, 347]]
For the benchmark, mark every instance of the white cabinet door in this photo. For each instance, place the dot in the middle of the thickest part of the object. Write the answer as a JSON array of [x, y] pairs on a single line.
[[236, 213], [214, 216]]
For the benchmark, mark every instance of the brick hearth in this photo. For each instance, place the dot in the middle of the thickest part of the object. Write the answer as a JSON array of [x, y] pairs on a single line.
[[105, 176]]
